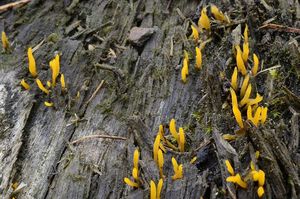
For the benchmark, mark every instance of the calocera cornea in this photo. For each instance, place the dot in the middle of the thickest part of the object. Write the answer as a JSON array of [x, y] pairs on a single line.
[[237, 179], [255, 64], [62, 82], [198, 58], [156, 148], [229, 167], [25, 85], [246, 97], [181, 139], [135, 171], [55, 67], [131, 183], [244, 85], [195, 33], [48, 104], [31, 63], [246, 51], [218, 15], [235, 109], [234, 79], [178, 170], [5, 42], [41, 86], [173, 131], [155, 191], [160, 161], [204, 22], [239, 61]]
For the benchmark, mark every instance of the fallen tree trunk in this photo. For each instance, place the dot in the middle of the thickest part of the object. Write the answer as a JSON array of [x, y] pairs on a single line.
[[124, 81]]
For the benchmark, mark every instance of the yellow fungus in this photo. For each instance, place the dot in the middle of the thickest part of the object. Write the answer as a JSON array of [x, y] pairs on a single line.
[[48, 104], [160, 159], [136, 156], [238, 116], [257, 99], [181, 139], [31, 63], [261, 178], [195, 33], [252, 166], [256, 154], [5, 42], [204, 21], [249, 113], [233, 97], [159, 188], [161, 146], [55, 67], [15, 185], [198, 58], [229, 167], [62, 82], [161, 132], [256, 117], [238, 180], [156, 147], [240, 62], [218, 15], [41, 86], [152, 190], [255, 175], [244, 85], [245, 99], [260, 192], [178, 170], [246, 34], [234, 78], [175, 164], [173, 130], [131, 183], [25, 85], [245, 54], [183, 74], [193, 160], [186, 56], [135, 173], [229, 137], [264, 114], [48, 84], [255, 64]]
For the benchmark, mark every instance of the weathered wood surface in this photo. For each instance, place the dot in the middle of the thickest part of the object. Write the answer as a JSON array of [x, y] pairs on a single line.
[[35, 140]]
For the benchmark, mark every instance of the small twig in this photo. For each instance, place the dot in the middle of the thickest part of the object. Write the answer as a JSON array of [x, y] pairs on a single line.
[[114, 69], [98, 136], [180, 14], [171, 47], [268, 69], [95, 92], [280, 28], [13, 5]]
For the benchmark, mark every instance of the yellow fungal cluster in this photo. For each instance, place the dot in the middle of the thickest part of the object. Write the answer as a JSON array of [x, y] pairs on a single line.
[[179, 137], [55, 70], [5, 42], [155, 191], [178, 170], [258, 176], [135, 171], [255, 113], [234, 178], [242, 56], [159, 149], [204, 23]]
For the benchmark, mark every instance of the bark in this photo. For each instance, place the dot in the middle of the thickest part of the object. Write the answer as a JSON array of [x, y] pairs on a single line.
[[39, 147]]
